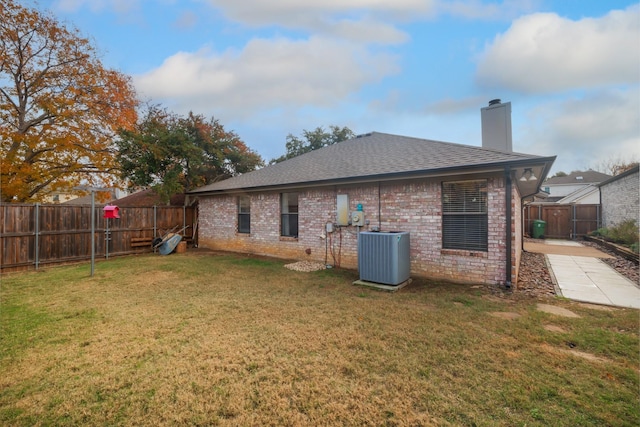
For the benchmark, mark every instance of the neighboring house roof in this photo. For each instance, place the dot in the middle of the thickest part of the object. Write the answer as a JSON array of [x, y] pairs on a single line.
[[148, 198], [139, 199], [105, 194], [579, 195], [551, 199], [578, 177], [626, 173], [377, 156]]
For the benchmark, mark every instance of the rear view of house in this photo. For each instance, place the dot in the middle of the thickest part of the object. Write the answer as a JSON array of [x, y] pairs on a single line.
[[461, 205]]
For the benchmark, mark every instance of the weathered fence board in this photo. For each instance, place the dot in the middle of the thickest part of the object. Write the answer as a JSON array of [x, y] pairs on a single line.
[[34, 235]]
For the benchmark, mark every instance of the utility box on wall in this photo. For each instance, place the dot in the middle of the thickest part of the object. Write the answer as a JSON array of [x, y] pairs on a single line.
[[342, 214], [357, 219], [383, 257]]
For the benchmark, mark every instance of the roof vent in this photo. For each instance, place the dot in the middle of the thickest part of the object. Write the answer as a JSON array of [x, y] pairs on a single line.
[[494, 101], [364, 134]]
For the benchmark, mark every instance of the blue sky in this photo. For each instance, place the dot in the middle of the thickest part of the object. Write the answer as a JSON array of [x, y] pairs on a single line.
[[422, 68]]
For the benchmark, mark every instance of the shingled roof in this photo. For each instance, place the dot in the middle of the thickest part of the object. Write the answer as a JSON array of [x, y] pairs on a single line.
[[148, 197], [578, 177], [374, 156]]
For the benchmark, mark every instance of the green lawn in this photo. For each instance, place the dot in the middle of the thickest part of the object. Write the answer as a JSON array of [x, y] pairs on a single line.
[[211, 339]]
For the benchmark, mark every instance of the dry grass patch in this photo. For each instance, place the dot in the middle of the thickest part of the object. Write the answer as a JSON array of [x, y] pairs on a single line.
[[210, 339]]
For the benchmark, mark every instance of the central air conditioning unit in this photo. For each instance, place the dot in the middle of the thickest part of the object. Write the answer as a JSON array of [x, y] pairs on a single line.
[[383, 257]]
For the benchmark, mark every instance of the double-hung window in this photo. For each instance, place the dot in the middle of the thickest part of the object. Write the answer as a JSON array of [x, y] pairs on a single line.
[[464, 215], [289, 214], [244, 214]]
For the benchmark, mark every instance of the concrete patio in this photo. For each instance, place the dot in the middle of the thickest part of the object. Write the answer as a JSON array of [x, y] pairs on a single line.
[[579, 274]]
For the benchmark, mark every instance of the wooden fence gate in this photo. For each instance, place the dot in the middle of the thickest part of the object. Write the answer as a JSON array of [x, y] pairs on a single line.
[[33, 235], [563, 221]]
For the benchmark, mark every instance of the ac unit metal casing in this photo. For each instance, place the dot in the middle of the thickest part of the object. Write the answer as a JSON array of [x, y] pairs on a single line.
[[383, 257]]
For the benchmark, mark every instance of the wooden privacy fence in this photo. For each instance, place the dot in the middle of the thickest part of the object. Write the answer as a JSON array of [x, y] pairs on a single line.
[[563, 221], [35, 235]]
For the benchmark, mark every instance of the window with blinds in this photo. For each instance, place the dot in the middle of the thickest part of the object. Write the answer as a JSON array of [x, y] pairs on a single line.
[[289, 214], [244, 214], [464, 215]]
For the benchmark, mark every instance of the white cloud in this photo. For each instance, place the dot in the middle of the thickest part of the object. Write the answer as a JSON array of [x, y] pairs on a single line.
[[296, 13], [186, 20], [585, 131], [477, 9], [279, 73], [369, 21], [448, 106], [543, 53], [119, 6], [366, 31], [326, 15]]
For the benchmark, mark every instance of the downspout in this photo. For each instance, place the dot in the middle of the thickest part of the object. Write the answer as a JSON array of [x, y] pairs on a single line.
[[379, 209], [509, 228]]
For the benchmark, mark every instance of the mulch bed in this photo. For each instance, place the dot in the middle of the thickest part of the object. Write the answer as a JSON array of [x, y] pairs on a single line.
[[533, 278]]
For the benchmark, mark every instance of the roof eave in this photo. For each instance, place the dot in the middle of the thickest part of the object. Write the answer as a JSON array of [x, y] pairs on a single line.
[[544, 162]]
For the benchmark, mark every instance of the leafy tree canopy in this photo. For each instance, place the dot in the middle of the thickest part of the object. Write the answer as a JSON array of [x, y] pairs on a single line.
[[172, 154], [312, 140], [60, 108]]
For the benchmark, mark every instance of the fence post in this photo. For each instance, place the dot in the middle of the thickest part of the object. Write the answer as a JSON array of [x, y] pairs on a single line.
[[575, 221], [106, 240], [93, 230], [184, 220], [37, 237]]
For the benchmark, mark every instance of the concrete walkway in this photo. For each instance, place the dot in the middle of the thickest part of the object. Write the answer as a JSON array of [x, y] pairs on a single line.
[[588, 279]]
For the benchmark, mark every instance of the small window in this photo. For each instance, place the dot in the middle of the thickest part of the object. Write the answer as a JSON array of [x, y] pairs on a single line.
[[464, 215], [244, 214], [289, 214]]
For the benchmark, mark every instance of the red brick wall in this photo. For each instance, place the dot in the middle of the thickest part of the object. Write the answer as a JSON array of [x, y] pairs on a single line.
[[409, 206]]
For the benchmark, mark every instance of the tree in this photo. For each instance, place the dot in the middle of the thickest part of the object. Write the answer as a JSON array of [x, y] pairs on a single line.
[[559, 174], [172, 154], [616, 165], [313, 140], [59, 107]]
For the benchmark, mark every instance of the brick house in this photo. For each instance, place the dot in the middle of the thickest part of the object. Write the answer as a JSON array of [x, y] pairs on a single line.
[[461, 205], [619, 197]]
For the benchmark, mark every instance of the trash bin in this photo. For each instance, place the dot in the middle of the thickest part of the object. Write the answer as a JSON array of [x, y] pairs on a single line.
[[538, 228]]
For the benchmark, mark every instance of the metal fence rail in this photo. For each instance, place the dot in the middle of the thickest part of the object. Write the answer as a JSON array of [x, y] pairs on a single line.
[[33, 235]]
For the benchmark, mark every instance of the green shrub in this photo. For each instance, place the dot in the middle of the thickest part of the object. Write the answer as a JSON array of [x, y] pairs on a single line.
[[624, 233], [600, 232]]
